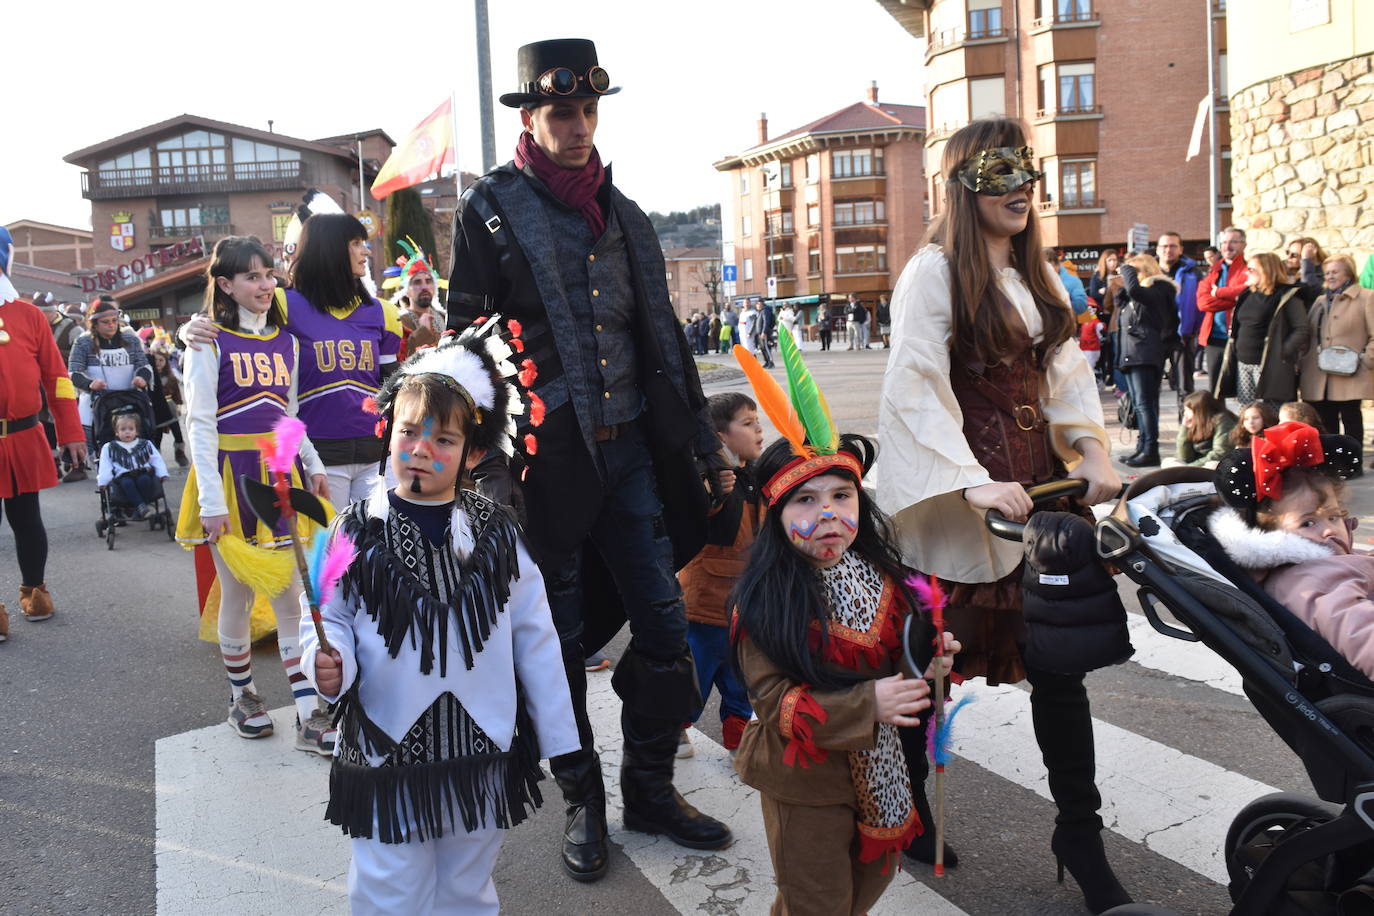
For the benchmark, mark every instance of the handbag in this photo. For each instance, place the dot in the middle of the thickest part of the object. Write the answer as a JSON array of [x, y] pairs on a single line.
[[1338, 360], [1125, 413]]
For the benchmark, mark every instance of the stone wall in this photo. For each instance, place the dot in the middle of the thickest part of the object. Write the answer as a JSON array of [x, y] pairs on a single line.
[[1302, 158]]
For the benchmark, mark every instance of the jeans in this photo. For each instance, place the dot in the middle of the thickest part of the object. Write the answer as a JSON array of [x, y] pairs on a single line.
[[711, 652], [1182, 365], [631, 537], [1213, 357], [136, 488], [1143, 384]]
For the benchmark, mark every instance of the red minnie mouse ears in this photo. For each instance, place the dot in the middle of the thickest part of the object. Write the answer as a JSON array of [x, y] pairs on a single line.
[[1247, 476]]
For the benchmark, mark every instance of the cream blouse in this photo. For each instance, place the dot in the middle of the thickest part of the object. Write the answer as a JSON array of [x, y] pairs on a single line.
[[925, 461]]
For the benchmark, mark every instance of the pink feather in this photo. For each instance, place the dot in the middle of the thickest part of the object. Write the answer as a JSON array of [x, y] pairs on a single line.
[[928, 589], [340, 555], [289, 432]]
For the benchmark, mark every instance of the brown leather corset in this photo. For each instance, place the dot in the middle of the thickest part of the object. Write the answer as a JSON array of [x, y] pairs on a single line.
[[1003, 422]]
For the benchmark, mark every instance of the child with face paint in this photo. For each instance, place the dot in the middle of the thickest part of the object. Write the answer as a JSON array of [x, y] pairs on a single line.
[[445, 663], [820, 611], [706, 581]]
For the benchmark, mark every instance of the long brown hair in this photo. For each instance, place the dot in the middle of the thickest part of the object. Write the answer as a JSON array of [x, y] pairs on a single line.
[[234, 254], [985, 326], [1271, 271], [1207, 410], [1240, 436]]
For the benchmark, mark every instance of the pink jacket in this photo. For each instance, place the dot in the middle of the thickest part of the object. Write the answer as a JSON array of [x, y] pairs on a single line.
[[1333, 593]]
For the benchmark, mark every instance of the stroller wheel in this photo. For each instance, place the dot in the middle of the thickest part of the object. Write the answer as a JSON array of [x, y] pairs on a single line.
[[168, 526], [1262, 825], [100, 528], [109, 537]]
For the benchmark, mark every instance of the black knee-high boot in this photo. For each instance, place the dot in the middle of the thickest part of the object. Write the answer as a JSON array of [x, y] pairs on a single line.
[[922, 849], [1064, 730], [585, 853]]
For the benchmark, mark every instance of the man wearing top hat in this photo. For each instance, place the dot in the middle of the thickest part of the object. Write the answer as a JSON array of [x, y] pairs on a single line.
[[612, 493]]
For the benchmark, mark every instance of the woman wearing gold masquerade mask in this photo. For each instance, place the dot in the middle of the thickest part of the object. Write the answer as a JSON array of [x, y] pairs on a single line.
[[986, 392]]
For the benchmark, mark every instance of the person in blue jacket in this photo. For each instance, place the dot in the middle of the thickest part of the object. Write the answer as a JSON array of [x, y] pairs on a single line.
[[1073, 285]]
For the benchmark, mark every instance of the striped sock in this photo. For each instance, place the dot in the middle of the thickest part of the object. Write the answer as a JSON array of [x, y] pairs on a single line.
[[301, 689], [238, 664]]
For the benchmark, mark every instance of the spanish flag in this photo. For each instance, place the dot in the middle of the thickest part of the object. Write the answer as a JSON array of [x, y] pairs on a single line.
[[422, 155]]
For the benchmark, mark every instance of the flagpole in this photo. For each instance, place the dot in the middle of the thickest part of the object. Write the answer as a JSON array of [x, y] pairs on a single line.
[[1211, 124], [362, 201], [484, 109], [453, 138]]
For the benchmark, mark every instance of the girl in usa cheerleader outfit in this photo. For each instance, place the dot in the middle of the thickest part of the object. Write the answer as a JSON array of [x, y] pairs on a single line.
[[236, 389]]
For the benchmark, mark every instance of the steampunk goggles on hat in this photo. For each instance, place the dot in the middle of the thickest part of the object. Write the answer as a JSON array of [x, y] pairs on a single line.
[[563, 81], [999, 170]]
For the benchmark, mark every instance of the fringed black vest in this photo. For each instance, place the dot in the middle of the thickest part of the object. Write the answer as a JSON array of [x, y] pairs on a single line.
[[127, 460], [416, 592]]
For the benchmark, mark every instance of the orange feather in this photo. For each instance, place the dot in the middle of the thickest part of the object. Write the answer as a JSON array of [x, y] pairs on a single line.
[[774, 401]]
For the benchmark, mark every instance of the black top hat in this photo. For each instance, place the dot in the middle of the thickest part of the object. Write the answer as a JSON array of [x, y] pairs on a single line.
[[559, 68]]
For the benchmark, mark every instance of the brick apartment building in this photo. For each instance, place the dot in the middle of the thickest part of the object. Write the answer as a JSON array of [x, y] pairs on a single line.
[[833, 207], [1109, 89], [51, 247], [162, 194], [694, 283]]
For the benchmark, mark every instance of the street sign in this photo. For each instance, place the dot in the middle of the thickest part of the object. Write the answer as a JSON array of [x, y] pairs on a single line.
[[729, 273], [1139, 238], [772, 287]]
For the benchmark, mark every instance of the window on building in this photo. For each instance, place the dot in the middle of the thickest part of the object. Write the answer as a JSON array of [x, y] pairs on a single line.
[[813, 168], [1044, 87], [780, 264], [856, 163], [937, 193], [670, 275], [813, 214], [252, 159], [180, 217], [1222, 92], [813, 258], [855, 259], [744, 225], [858, 212], [744, 183], [135, 159], [196, 156], [1224, 185], [779, 222], [748, 269], [1067, 10], [785, 173], [984, 18], [987, 97], [949, 106], [1078, 183], [1076, 89]]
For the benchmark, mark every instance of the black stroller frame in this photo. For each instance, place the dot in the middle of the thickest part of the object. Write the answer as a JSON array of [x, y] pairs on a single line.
[[105, 406], [1341, 770]]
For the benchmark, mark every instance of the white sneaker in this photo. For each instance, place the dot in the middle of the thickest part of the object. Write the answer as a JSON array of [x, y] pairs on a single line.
[[684, 745], [317, 734], [248, 716]]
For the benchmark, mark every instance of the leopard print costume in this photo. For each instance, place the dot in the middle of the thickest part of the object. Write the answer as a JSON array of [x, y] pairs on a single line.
[[882, 785]]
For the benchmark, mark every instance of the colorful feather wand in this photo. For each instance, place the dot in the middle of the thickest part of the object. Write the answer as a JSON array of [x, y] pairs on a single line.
[[941, 720]]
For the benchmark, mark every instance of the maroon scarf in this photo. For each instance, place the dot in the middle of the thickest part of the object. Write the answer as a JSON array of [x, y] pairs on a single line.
[[575, 187]]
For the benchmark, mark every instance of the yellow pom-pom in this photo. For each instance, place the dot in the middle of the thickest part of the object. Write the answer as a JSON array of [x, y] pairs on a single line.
[[266, 572]]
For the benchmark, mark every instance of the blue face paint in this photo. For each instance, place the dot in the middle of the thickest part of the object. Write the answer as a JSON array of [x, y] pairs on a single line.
[[429, 425], [405, 456], [438, 465]]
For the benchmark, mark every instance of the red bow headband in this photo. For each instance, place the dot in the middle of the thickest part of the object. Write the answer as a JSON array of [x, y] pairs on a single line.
[[1278, 448], [801, 469]]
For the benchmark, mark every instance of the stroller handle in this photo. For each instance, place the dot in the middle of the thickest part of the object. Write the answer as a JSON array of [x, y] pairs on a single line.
[[1008, 530]]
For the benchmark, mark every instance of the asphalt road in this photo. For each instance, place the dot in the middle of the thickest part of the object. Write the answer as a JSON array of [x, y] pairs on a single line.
[[85, 695]]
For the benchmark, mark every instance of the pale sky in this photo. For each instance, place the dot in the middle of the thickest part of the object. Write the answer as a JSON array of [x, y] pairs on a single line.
[[695, 77]]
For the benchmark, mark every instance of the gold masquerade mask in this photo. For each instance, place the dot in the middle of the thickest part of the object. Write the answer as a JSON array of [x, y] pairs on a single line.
[[999, 171]]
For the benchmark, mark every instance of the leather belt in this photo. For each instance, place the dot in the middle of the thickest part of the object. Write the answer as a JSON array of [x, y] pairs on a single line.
[[607, 433], [17, 426]]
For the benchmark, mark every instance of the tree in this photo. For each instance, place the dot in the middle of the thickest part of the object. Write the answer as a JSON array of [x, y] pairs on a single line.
[[406, 216], [709, 275]]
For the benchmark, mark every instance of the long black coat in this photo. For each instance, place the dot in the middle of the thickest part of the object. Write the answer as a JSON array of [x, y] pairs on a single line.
[[503, 262]]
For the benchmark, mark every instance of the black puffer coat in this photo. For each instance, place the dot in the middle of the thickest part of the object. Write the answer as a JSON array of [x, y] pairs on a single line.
[[1075, 621], [1148, 320]]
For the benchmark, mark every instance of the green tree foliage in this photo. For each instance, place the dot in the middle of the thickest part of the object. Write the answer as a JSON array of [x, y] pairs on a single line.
[[406, 216]]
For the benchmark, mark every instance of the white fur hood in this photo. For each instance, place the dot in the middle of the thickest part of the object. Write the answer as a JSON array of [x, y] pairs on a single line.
[[1255, 549]]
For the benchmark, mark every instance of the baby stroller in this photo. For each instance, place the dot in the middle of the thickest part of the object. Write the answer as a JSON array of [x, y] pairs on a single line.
[[1284, 853], [114, 510]]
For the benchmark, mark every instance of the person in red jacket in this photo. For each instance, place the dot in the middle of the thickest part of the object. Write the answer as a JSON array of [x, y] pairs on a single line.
[[30, 366], [1216, 298]]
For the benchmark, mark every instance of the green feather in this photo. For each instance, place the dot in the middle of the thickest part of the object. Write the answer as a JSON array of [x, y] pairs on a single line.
[[806, 396]]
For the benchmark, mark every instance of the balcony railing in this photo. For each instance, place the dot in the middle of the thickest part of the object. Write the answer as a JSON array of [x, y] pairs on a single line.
[[1042, 114], [1065, 17], [106, 184], [945, 38], [1074, 203], [207, 230]]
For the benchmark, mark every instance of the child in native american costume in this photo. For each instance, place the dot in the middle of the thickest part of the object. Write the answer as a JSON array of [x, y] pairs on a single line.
[[444, 658], [236, 391], [818, 631]]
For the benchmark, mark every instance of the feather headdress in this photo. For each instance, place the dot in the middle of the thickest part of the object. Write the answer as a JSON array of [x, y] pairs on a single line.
[[801, 415], [480, 365], [412, 262]]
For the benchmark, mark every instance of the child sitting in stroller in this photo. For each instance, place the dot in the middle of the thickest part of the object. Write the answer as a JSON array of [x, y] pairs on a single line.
[[131, 468], [1286, 524]]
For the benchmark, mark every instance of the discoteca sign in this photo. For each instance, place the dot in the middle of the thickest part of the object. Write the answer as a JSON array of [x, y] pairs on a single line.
[[114, 277]]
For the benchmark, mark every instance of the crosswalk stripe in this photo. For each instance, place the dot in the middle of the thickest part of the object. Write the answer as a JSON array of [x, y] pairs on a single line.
[[1175, 804], [1188, 660], [737, 880]]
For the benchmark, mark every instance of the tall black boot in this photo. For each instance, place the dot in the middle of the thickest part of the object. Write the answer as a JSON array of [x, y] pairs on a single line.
[[922, 849], [585, 853], [1064, 730], [658, 697]]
